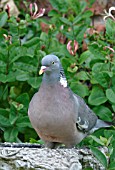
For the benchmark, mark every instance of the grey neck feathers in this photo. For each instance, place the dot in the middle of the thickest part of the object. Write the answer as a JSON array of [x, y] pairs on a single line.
[[55, 77], [51, 78]]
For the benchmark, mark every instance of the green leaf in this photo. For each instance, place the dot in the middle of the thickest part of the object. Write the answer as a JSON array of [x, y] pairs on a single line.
[[32, 42], [99, 155], [3, 18], [7, 78], [24, 68], [97, 51], [110, 150], [113, 107], [81, 32], [80, 89], [23, 76], [2, 66], [4, 112], [110, 28], [34, 82], [13, 116], [82, 16], [97, 140], [53, 13], [23, 99], [101, 74], [100, 67], [61, 6], [87, 14], [23, 122], [109, 133], [103, 139], [14, 30], [16, 52], [41, 142], [97, 96], [110, 74], [10, 134], [44, 37], [113, 79], [77, 19], [4, 92], [102, 78], [65, 21], [112, 166], [84, 56], [16, 57], [82, 75], [55, 4], [112, 156], [3, 78], [4, 118], [110, 95], [65, 62], [109, 140], [103, 112]]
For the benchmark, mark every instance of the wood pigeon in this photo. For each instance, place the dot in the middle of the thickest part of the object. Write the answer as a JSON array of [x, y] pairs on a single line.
[[56, 113]]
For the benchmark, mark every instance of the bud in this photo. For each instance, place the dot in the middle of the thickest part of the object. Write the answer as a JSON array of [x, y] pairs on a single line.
[[7, 38], [72, 49]]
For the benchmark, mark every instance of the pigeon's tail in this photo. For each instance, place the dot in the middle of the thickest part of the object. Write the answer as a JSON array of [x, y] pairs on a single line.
[[100, 124]]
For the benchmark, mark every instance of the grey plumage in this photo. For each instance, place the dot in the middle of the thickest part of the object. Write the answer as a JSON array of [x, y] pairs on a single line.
[[56, 113]]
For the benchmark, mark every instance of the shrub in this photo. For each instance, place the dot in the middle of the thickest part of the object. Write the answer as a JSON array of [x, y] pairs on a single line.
[[90, 73]]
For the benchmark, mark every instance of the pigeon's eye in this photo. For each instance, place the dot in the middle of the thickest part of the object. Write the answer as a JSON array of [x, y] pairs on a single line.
[[53, 62]]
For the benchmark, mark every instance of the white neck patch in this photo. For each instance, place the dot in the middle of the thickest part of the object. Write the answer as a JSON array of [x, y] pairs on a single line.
[[63, 81]]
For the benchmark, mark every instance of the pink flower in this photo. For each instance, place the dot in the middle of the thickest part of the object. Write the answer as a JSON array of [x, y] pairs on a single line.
[[36, 14], [72, 50]]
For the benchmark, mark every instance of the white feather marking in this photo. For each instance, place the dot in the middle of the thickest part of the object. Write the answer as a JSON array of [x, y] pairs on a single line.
[[82, 126], [63, 81], [85, 125], [79, 120]]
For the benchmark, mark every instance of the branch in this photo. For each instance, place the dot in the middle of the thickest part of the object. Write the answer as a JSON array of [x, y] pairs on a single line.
[[31, 156]]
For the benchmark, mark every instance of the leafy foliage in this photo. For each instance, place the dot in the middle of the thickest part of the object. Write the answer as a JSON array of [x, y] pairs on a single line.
[[90, 73], [99, 155]]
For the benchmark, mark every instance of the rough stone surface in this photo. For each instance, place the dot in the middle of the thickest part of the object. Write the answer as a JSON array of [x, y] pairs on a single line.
[[42, 158]]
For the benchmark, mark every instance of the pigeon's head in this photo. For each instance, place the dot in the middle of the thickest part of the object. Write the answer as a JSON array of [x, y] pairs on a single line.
[[50, 63], [53, 70]]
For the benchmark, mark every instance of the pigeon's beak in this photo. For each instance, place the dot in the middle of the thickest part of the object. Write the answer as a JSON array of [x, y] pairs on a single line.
[[43, 68]]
